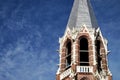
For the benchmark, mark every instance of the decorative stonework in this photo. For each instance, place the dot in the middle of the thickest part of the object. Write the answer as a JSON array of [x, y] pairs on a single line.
[[65, 74], [85, 69], [74, 36]]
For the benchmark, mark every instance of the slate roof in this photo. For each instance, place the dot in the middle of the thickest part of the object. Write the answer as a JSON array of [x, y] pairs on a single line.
[[82, 13]]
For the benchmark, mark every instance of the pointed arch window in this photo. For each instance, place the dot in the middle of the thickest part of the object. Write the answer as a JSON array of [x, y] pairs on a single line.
[[68, 54], [84, 56]]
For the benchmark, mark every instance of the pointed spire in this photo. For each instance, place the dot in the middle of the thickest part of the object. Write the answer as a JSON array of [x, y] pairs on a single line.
[[82, 13]]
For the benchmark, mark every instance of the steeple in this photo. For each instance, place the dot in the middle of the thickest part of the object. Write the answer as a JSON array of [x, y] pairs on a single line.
[[83, 49], [82, 14]]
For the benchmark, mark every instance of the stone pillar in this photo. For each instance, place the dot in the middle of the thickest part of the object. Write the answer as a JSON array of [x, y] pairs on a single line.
[[62, 59]]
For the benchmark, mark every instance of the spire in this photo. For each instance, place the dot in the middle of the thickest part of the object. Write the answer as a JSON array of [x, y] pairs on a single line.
[[81, 14]]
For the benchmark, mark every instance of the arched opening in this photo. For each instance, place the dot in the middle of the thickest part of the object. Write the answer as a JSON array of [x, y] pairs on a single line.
[[84, 78], [84, 56], [68, 54], [98, 55]]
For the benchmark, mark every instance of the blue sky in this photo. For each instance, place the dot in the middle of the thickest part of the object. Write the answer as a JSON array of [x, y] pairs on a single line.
[[29, 33]]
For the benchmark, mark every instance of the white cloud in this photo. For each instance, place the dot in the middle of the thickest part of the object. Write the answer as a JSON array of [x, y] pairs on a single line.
[[27, 62]]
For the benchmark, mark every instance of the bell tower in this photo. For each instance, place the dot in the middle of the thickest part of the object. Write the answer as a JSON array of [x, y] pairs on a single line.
[[83, 49]]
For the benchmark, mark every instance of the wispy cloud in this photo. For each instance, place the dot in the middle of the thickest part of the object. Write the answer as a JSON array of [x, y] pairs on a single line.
[[24, 62]]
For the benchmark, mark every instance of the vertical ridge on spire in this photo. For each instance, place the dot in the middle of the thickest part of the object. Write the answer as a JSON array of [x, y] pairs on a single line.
[[82, 13]]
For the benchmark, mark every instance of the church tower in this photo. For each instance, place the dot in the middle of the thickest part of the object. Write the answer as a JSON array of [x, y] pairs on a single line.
[[83, 49]]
